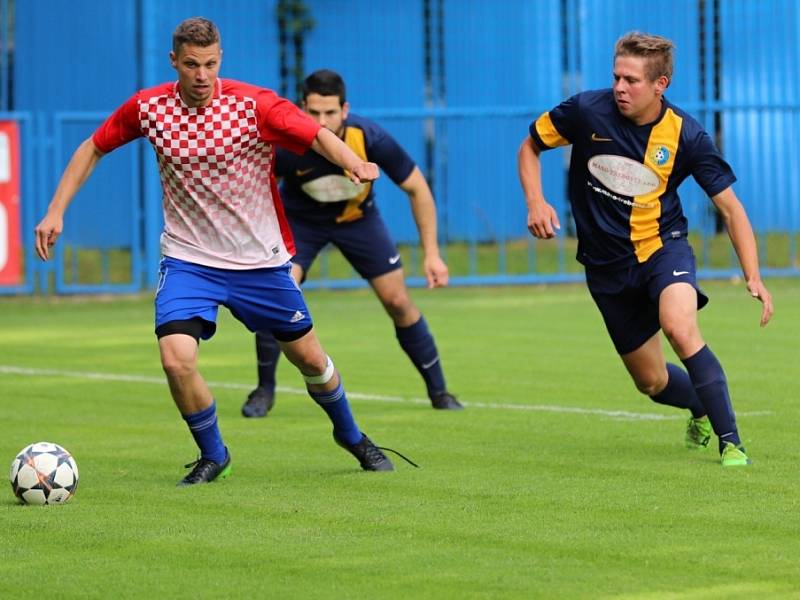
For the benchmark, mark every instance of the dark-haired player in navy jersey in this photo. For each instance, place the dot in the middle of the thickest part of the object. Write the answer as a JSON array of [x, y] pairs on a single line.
[[325, 207], [631, 149], [225, 239]]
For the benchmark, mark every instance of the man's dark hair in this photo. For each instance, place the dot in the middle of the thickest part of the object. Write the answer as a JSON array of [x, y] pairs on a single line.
[[196, 31], [325, 83]]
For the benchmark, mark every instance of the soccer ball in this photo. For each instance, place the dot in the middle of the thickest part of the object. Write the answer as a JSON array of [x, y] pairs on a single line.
[[44, 473]]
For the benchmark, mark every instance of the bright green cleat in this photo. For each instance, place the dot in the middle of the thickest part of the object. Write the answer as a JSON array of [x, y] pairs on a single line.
[[734, 456], [698, 433]]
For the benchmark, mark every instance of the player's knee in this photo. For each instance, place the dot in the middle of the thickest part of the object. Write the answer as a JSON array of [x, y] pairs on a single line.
[[651, 384], [177, 366], [398, 305], [177, 360], [319, 376], [682, 337], [649, 388]]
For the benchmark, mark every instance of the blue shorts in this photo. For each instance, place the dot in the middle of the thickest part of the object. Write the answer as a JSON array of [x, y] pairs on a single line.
[[365, 243], [628, 297], [262, 299]]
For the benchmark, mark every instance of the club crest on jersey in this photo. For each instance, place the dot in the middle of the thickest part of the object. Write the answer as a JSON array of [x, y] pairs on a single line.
[[660, 155]]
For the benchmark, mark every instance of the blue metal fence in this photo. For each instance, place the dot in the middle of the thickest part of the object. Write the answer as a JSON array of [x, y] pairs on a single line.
[[456, 81], [112, 224]]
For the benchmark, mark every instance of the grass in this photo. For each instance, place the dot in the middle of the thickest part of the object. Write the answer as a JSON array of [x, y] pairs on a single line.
[[559, 480]]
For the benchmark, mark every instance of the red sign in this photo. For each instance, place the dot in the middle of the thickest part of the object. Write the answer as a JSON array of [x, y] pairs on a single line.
[[10, 245]]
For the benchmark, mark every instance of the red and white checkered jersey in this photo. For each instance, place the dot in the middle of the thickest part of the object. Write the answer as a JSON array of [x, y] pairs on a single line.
[[221, 204]]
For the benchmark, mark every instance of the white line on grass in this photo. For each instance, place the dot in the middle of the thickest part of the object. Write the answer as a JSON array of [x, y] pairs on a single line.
[[615, 414]]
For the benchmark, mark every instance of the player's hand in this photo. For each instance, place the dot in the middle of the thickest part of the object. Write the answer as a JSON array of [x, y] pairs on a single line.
[[436, 272], [758, 290], [364, 171], [46, 233], [543, 220]]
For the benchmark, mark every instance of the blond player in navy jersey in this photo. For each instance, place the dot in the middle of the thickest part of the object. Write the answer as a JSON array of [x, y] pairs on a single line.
[[225, 239], [631, 149]]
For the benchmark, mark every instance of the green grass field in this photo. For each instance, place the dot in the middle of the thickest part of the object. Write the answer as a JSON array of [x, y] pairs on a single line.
[[558, 481]]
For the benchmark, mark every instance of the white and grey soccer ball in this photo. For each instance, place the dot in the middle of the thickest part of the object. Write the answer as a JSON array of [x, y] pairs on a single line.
[[44, 473]]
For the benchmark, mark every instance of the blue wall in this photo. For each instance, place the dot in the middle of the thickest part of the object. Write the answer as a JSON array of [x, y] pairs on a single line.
[[496, 66]]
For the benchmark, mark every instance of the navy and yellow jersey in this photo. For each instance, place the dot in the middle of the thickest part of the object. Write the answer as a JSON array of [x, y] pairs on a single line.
[[624, 178], [314, 189]]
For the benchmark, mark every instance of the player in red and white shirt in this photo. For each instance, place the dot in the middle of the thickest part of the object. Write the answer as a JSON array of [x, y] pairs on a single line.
[[225, 240]]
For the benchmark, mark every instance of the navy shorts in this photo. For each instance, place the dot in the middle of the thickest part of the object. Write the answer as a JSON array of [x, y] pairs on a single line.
[[262, 299], [365, 243], [628, 297]]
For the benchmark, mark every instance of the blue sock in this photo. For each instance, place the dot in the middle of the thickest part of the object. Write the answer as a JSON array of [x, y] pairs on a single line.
[[336, 406], [711, 386], [205, 431], [680, 392], [417, 341]]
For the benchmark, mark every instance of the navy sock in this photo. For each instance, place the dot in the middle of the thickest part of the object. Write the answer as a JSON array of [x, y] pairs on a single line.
[[267, 353], [680, 392], [205, 431], [711, 386], [417, 341], [338, 410]]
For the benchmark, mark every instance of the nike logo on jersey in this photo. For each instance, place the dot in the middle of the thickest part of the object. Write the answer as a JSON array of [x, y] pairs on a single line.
[[393, 260], [301, 172], [679, 273], [597, 138]]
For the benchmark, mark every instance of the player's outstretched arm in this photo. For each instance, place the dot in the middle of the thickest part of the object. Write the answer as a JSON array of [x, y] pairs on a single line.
[[424, 210], [77, 172], [542, 218], [335, 150], [744, 242]]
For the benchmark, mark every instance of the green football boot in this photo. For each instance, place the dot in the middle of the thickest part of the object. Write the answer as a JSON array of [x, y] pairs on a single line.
[[734, 456], [698, 433]]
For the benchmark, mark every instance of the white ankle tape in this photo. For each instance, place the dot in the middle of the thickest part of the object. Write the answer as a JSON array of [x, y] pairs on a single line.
[[324, 378]]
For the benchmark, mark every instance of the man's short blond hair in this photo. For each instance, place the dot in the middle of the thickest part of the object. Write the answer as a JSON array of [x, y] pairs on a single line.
[[196, 31], [655, 49]]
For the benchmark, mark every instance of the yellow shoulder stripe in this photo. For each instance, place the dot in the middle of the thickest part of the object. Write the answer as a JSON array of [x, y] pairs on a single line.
[[548, 132]]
